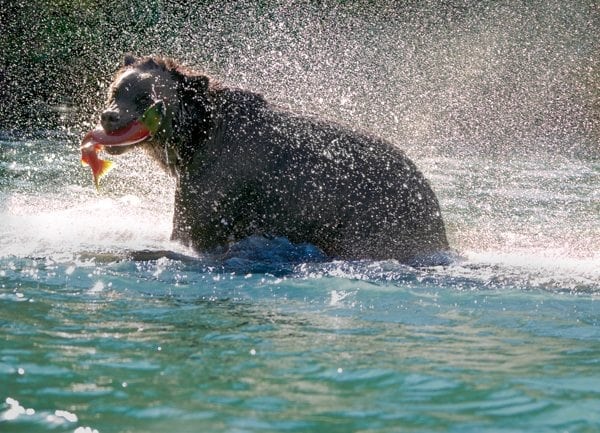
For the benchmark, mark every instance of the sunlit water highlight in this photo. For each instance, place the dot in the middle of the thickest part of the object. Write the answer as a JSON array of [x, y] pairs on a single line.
[[273, 339]]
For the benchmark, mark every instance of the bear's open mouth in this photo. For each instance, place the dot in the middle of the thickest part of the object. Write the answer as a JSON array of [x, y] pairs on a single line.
[[120, 140], [132, 133]]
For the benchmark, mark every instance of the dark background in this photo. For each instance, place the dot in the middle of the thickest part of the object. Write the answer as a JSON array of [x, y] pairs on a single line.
[[472, 75]]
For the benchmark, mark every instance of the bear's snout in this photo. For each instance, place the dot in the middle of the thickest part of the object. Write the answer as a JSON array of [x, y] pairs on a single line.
[[109, 119]]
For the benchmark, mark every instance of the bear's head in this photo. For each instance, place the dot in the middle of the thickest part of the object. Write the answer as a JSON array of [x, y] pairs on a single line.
[[185, 101]]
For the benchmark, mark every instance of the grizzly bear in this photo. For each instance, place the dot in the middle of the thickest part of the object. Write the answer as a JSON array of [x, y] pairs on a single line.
[[247, 167]]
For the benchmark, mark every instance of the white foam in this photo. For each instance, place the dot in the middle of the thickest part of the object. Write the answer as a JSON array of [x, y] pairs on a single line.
[[551, 261], [50, 224]]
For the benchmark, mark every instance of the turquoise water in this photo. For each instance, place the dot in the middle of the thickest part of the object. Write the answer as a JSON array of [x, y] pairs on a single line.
[[108, 326]]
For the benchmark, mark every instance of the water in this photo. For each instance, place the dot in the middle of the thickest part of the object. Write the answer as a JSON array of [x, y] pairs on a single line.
[[108, 326], [98, 334]]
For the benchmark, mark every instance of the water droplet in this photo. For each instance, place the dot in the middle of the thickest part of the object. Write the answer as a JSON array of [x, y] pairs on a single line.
[[71, 417], [98, 287], [85, 430]]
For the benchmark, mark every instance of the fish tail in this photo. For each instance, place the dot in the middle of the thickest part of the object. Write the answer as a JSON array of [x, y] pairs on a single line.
[[104, 167]]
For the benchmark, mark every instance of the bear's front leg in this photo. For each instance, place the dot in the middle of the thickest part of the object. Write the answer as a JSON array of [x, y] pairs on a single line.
[[195, 223], [211, 217]]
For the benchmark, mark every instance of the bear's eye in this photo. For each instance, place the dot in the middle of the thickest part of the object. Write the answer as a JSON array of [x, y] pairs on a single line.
[[143, 101]]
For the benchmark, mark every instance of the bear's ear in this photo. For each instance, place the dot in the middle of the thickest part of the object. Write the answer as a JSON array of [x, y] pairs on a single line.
[[129, 59]]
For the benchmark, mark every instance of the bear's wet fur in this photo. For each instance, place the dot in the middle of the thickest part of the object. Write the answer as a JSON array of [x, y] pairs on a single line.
[[246, 167]]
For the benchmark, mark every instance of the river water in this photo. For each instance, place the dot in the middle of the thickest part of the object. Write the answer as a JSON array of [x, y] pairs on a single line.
[[108, 326]]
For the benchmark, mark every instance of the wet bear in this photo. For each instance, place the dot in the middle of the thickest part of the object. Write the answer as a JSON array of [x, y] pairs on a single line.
[[246, 167]]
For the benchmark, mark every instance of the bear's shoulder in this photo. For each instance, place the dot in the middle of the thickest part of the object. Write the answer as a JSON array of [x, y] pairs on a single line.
[[241, 97]]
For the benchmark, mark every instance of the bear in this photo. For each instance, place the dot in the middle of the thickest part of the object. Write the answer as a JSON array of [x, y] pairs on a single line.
[[246, 167]]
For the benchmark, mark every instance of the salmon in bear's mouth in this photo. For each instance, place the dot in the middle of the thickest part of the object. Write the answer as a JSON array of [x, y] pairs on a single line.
[[132, 133], [135, 132]]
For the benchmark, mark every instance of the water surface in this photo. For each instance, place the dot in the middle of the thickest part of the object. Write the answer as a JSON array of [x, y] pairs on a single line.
[[96, 336]]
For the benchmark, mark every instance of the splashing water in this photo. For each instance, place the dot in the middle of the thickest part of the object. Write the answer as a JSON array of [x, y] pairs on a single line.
[[108, 325], [518, 214]]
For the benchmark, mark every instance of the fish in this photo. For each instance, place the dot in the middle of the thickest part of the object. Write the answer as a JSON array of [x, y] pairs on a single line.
[[89, 156], [95, 140], [134, 132]]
